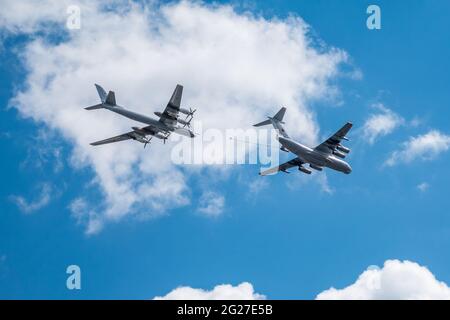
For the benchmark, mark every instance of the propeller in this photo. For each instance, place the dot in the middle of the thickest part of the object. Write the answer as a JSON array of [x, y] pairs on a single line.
[[191, 112], [166, 137], [191, 115], [147, 141]]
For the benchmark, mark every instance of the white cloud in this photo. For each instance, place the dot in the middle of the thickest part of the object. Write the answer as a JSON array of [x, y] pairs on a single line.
[[29, 206], [400, 280], [423, 147], [243, 291], [85, 215], [141, 51], [211, 204], [303, 180], [44, 149], [381, 124], [424, 186], [257, 185], [24, 16]]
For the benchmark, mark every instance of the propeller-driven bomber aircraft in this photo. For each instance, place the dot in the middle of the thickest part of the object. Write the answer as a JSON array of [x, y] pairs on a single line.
[[327, 154], [169, 120]]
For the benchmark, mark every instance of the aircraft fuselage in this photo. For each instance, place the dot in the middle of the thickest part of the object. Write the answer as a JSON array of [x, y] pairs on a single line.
[[308, 155], [150, 121], [139, 117]]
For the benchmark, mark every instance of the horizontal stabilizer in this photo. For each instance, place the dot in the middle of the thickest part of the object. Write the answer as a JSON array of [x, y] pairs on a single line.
[[264, 123], [97, 106]]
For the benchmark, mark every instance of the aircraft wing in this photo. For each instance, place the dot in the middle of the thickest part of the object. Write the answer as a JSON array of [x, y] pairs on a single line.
[[122, 137], [283, 167], [138, 134], [329, 145], [170, 114]]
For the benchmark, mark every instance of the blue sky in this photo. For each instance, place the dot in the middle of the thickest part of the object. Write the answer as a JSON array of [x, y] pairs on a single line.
[[291, 240]]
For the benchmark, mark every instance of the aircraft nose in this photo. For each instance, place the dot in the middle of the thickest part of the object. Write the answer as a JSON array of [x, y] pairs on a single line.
[[348, 169]]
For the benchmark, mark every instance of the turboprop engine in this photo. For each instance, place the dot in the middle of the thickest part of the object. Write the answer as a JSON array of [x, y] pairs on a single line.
[[160, 136], [189, 112], [139, 137], [184, 122]]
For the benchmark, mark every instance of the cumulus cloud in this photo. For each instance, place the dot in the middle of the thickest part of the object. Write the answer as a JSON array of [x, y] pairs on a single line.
[[423, 147], [424, 186], [141, 51], [28, 206], [243, 291], [382, 123], [211, 204], [44, 149], [85, 215], [400, 280], [27, 15], [257, 185], [321, 180]]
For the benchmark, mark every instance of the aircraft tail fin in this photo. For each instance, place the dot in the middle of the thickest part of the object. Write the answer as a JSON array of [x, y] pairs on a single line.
[[280, 115], [276, 121], [101, 93], [109, 98]]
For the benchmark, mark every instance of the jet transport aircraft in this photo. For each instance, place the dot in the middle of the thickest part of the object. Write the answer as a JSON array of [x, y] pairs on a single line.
[[327, 154], [169, 120]]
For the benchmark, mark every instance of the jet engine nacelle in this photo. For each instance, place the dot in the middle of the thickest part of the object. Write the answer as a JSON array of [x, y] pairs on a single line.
[[303, 169], [342, 148], [315, 167], [339, 154]]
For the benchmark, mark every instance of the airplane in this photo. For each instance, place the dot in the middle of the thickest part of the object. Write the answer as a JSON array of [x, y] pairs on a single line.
[[327, 154], [160, 128]]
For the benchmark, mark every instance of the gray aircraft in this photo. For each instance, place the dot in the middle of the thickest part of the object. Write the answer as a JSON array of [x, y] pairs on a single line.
[[327, 154], [169, 120]]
